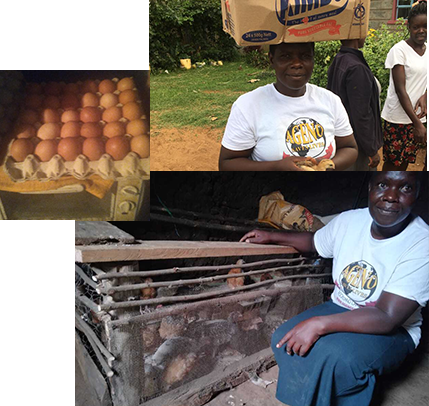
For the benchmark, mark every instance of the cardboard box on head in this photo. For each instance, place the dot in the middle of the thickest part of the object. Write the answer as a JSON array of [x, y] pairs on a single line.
[[254, 22]]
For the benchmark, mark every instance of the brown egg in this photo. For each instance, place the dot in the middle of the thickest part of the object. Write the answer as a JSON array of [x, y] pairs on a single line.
[[21, 148], [89, 86], [118, 147], [70, 101], [90, 114], [70, 130], [140, 144], [107, 86], [126, 84], [25, 131], [33, 101], [127, 96], [71, 88], [29, 117], [90, 100], [70, 115], [112, 114], [46, 149], [52, 102], [93, 148], [53, 89], [91, 130], [49, 131], [132, 111], [138, 127], [50, 116], [109, 100], [115, 129], [70, 148]]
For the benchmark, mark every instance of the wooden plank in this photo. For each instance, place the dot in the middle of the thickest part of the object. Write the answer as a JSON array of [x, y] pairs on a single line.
[[90, 232], [174, 249]]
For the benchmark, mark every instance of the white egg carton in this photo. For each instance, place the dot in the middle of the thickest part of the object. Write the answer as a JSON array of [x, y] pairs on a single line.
[[81, 168]]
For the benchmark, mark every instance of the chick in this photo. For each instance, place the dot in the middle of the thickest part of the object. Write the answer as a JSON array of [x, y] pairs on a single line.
[[265, 277], [148, 293], [323, 165], [236, 282]]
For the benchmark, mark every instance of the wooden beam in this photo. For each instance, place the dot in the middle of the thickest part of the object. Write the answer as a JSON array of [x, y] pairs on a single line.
[[174, 249], [89, 232]]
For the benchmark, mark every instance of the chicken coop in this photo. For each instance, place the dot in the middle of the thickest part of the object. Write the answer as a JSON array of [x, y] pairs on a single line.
[[176, 322]]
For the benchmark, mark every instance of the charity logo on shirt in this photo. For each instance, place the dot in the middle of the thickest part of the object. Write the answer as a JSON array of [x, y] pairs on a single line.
[[356, 283], [306, 137]]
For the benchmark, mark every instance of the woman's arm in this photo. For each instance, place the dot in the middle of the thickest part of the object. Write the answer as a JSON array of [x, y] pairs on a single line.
[[389, 313], [347, 152], [398, 74], [240, 161]]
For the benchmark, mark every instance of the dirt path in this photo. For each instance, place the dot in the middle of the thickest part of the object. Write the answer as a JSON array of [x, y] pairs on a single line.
[[185, 149], [197, 149]]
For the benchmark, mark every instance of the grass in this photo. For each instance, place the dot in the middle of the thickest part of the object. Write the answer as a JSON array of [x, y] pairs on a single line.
[[192, 98]]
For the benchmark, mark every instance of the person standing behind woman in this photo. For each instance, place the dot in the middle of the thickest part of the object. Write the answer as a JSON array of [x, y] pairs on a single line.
[[350, 77], [405, 108]]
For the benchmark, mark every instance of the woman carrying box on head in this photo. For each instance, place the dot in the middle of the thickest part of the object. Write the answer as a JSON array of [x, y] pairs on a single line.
[[405, 108], [276, 126]]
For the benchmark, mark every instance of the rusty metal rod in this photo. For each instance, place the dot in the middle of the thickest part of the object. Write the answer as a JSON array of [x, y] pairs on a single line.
[[187, 307], [85, 277], [87, 302], [185, 282], [176, 299], [176, 270]]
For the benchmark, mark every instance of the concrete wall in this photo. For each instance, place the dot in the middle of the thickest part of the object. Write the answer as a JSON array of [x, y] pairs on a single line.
[[380, 12]]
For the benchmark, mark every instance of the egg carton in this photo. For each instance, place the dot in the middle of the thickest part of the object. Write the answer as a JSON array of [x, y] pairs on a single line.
[[81, 168]]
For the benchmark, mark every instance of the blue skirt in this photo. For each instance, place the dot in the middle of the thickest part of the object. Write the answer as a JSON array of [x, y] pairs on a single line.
[[341, 368]]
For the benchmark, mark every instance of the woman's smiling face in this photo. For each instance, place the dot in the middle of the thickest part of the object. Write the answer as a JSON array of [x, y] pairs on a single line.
[[392, 196], [293, 64]]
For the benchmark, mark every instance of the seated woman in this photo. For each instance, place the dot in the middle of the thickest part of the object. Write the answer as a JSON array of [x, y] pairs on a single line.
[[330, 355], [273, 127]]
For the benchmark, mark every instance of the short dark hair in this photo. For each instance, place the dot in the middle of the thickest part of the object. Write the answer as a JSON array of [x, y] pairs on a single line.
[[274, 46], [420, 8]]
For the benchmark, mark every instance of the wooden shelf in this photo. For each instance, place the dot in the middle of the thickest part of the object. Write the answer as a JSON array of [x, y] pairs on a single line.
[[173, 249]]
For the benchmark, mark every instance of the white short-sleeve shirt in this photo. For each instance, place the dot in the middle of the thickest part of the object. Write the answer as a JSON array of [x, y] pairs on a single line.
[[277, 126], [415, 67], [363, 267]]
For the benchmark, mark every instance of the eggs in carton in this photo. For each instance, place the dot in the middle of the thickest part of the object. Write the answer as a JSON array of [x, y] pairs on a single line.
[[80, 129]]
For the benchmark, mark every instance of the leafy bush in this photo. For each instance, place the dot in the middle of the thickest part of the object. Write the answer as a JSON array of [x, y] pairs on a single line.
[[187, 29]]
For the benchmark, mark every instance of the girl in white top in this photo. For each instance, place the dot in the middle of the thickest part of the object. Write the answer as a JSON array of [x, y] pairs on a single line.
[[405, 108]]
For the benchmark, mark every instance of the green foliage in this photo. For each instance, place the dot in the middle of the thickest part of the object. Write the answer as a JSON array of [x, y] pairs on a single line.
[[377, 45], [324, 53], [258, 59], [187, 29]]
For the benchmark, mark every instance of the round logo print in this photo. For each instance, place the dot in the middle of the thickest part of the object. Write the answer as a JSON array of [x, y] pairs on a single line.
[[305, 137], [359, 281]]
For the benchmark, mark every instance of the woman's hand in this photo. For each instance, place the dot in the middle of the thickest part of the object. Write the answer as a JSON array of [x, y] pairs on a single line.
[[419, 133], [422, 104], [302, 337], [257, 237]]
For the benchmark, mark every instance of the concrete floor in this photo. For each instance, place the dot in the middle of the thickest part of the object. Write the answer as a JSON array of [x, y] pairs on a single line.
[[407, 388]]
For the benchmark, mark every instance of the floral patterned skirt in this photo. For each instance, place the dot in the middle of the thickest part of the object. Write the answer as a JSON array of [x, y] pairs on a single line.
[[399, 144]]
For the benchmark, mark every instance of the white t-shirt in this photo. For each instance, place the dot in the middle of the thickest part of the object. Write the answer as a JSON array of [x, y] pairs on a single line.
[[415, 67], [363, 267], [277, 126]]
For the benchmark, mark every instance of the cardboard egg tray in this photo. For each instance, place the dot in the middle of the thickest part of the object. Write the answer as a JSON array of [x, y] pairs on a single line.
[[81, 168]]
